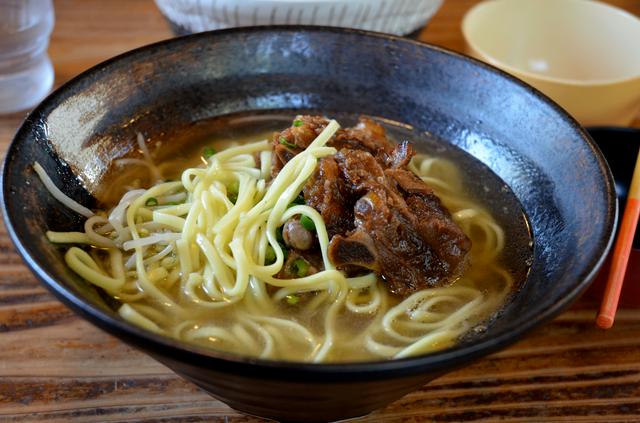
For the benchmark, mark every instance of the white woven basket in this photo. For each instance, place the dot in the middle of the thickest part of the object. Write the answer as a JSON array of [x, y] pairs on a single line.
[[398, 17]]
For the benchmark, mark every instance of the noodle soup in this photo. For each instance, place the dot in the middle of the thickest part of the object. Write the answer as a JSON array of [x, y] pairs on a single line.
[[194, 247]]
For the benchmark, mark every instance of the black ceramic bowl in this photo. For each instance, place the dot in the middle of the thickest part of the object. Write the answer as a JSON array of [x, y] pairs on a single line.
[[545, 157]]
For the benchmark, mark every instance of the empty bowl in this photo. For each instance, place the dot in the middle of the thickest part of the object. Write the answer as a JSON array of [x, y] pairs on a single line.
[[582, 54]]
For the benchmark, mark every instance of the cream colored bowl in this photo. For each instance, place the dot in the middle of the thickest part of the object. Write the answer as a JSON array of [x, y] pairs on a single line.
[[583, 54]]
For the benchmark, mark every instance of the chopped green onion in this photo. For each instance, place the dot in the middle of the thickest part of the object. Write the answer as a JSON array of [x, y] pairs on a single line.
[[269, 256], [208, 152], [300, 267], [307, 223], [292, 299], [286, 142], [298, 122], [151, 201], [285, 251], [232, 191], [234, 187], [298, 201], [172, 203]]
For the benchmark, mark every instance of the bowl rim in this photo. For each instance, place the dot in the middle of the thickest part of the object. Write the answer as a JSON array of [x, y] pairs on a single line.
[[540, 77], [177, 351]]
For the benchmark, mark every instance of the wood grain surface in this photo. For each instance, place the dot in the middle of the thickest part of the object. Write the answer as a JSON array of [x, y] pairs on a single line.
[[56, 367]]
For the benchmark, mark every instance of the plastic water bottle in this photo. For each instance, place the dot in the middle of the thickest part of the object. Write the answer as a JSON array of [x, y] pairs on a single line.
[[26, 73]]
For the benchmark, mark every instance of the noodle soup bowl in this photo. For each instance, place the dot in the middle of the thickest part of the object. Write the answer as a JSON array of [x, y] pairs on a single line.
[[539, 156]]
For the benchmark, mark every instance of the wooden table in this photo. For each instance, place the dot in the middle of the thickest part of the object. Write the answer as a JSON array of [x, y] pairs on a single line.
[[55, 366]]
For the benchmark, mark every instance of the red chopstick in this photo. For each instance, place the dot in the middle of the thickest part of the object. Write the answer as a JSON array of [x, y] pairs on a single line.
[[621, 252]]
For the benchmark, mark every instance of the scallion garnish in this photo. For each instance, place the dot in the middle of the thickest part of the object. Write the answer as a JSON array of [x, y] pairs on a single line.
[[307, 223], [298, 122], [269, 256], [208, 152], [151, 201], [292, 299], [286, 142], [232, 191], [300, 267], [285, 251]]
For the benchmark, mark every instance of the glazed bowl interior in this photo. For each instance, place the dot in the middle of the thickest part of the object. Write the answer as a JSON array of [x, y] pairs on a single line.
[[544, 157]]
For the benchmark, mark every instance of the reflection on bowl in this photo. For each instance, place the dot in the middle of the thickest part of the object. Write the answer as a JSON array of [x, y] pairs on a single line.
[[541, 153], [582, 54], [620, 148]]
